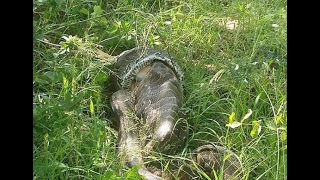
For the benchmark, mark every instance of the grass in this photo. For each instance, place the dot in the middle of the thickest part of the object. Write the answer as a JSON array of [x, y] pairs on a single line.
[[228, 73]]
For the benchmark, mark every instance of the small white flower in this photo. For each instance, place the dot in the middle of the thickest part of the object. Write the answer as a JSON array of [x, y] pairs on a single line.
[[237, 67]]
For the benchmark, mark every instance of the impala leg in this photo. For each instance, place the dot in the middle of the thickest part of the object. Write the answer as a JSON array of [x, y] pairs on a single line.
[[128, 144], [129, 149]]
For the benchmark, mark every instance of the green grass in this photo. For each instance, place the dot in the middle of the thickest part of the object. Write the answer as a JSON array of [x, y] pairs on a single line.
[[227, 72]]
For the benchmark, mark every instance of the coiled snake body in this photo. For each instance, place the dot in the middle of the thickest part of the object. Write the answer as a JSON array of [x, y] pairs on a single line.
[[147, 102]]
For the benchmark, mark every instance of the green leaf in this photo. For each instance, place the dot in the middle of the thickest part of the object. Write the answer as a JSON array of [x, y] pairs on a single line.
[[110, 175], [256, 129], [97, 11], [283, 135], [50, 75], [84, 11], [133, 173], [103, 20], [41, 81], [100, 78], [64, 45], [232, 117], [278, 119], [65, 82], [117, 24], [241, 8], [91, 107]]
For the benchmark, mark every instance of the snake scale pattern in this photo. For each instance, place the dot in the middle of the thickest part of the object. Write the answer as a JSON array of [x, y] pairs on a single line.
[[147, 101]]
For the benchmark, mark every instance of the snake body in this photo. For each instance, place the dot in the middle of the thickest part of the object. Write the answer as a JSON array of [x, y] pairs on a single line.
[[130, 62], [149, 94]]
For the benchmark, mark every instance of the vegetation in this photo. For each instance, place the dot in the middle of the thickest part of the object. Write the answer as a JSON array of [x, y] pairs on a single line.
[[234, 56]]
